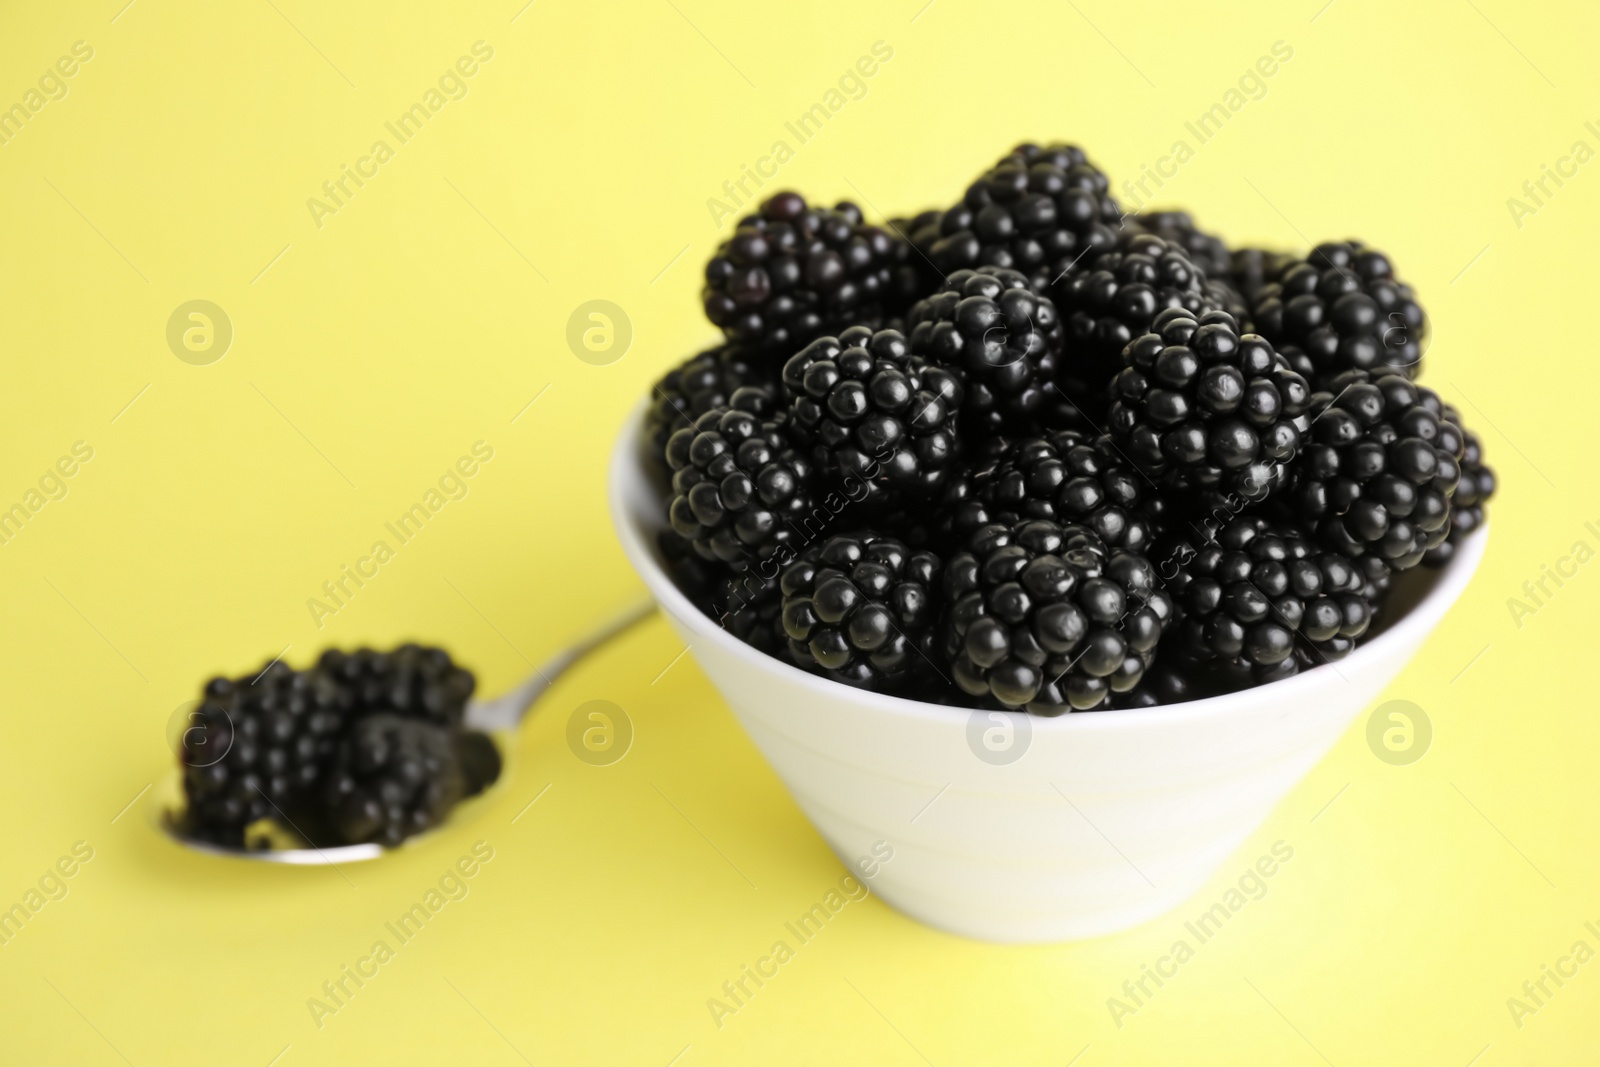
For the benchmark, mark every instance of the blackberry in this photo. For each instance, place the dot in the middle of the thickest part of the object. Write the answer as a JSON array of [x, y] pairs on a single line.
[[1472, 493], [1065, 477], [1036, 211], [1108, 300], [1043, 616], [261, 745], [397, 777], [694, 387], [1206, 251], [1002, 340], [1207, 410], [1378, 470], [861, 609], [256, 748], [1344, 309], [736, 482], [1257, 585], [792, 272], [872, 413]]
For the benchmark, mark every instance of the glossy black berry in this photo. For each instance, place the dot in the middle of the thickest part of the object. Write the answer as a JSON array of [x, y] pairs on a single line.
[[261, 746], [1257, 590], [1064, 477], [874, 416], [1045, 617], [861, 608], [1001, 339], [1468, 505], [1107, 300], [1206, 410], [1343, 308], [793, 272], [694, 387], [737, 483], [1036, 211], [1379, 468]]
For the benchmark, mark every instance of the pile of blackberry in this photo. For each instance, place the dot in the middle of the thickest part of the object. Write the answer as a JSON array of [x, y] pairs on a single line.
[[361, 746], [1029, 452]]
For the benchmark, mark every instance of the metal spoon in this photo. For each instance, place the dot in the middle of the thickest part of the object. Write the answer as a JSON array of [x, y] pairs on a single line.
[[499, 717]]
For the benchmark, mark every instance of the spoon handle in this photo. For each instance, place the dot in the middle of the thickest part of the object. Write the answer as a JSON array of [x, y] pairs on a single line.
[[505, 712]]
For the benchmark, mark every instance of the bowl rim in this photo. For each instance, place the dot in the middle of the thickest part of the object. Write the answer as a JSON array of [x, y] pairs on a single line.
[[626, 467]]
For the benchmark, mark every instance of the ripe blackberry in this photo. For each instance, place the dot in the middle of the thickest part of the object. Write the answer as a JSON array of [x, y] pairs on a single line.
[[1248, 592], [1343, 307], [872, 413], [396, 777], [256, 748], [1045, 617], [792, 272], [736, 482], [1206, 251], [1109, 299], [1001, 339], [697, 385], [1064, 477], [1379, 467], [1472, 493], [861, 609], [1036, 211], [1206, 410]]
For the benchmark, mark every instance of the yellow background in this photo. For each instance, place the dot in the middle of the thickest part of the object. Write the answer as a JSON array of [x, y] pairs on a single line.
[[429, 311]]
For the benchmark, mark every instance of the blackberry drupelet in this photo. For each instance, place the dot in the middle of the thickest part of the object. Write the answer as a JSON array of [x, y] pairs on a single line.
[[792, 272], [873, 414], [697, 385], [1467, 505], [861, 608], [1206, 410], [1247, 593], [1379, 468], [737, 481], [1036, 211], [1001, 339], [1344, 309], [1109, 299], [1206, 251], [393, 778], [1065, 477], [1043, 616]]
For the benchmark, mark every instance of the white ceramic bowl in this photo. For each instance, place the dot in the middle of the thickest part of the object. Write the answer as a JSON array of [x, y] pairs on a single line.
[[1099, 822]]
